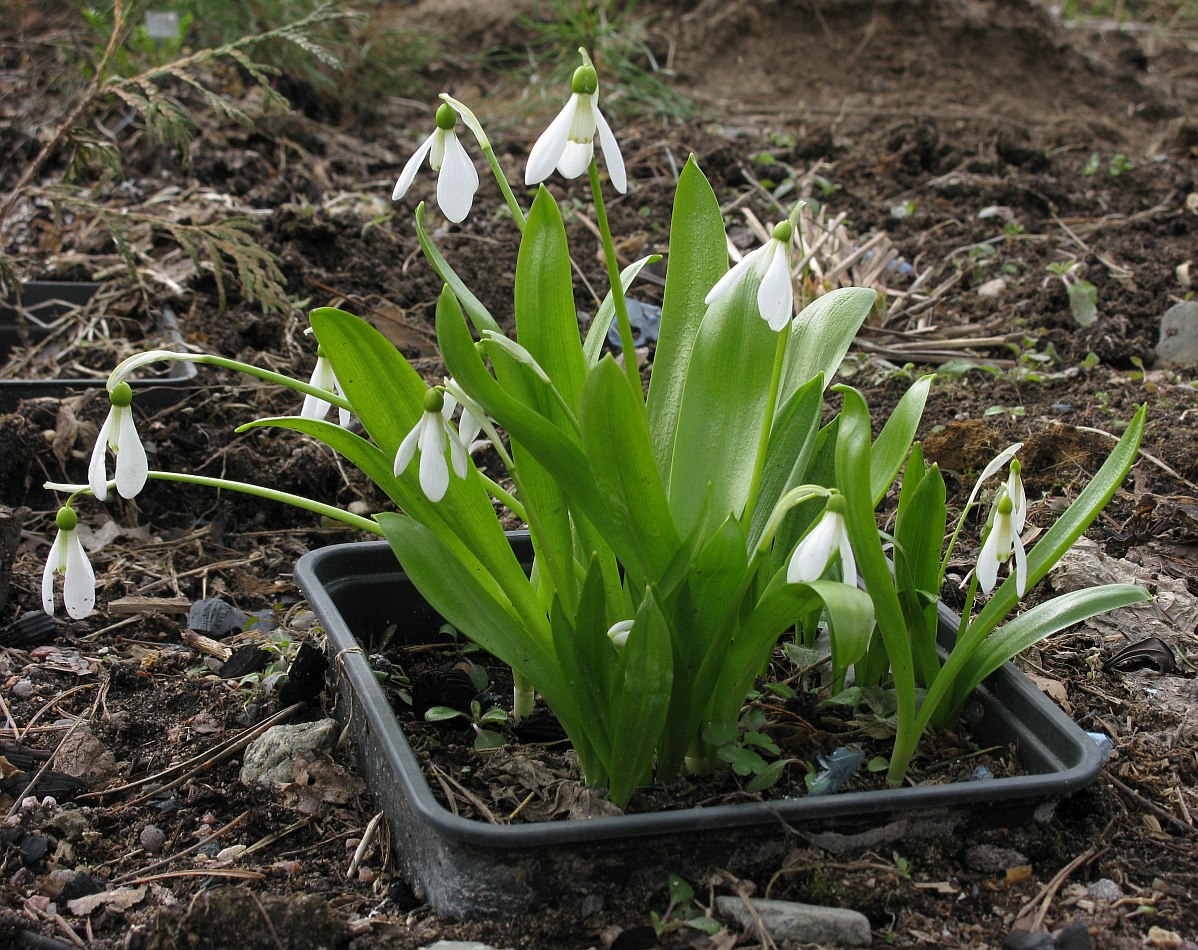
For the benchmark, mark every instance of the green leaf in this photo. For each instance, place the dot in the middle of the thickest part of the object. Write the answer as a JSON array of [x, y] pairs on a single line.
[[698, 258], [592, 348], [485, 740], [615, 436], [442, 713], [918, 534], [894, 441], [821, 335], [639, 700], [680, 891], [768, 777], [1083, 302], [723, 404], [1043, 620], [546, 319]]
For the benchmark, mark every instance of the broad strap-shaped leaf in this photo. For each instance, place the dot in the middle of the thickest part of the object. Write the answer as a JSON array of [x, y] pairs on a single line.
[[821, 335], [792, 440], [470, 601], [592, 347], [588, 661], [615, 436], [918, 535], [894, 441], [639, 699], [546, 318], [480, 316], [1043, 620], [387, 395], [698, 259], [723, 405]]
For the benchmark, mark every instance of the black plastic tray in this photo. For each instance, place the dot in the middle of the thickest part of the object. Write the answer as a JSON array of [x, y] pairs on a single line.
[[466, 868], [43, 302]]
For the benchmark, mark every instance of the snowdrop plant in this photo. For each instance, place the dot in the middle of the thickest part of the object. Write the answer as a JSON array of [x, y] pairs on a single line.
[[665, 571]]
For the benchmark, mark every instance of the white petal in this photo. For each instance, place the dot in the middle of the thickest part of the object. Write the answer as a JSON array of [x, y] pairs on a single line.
[[457, 182], [48, 572], [97, 477], [343, 415], [725, 284], [1020, 566], [407, 449], [457, 453], [409, 170], [79, 591], [434, 472], [132, 467], [848, 563], [1018, 496], [314, 407], [611, 154], [576, 159], [548, 148], [810, 558], [469, 426], [987, 569], [775, 296]]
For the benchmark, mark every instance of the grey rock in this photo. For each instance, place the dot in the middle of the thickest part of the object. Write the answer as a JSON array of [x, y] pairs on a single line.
[[70, 824], [993, 288], [268, 758], [991, 859], [1104, 889], [1178, 343], [804, 923], [1074, 936], [592, 904], [152, 839], [1024, 940]]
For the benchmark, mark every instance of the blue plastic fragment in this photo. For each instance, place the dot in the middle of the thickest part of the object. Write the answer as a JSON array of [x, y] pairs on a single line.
[[645, 319], [838, 768], [1104, 743], [981, 774]]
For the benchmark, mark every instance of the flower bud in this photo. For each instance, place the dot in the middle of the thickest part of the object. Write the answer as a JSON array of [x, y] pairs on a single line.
[[66, 519]]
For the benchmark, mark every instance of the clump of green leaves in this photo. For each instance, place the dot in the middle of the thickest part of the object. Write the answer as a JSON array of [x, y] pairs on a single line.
[[1083, 295]]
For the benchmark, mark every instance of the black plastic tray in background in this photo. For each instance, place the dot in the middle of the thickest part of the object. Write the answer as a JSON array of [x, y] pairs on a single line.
[[467, 868], [43, 302]]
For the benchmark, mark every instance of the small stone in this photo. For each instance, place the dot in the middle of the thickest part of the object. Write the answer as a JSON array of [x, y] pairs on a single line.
[[592, 904], [1074, 936], [81, 755], [1104, 889], [1160, 937], [70, 824], [366, 875], [803, 923], [231, 853], [991, 859], [152, 839], [457, 945], [1178, 343], [993, 288], [22, 688], [268, 758]]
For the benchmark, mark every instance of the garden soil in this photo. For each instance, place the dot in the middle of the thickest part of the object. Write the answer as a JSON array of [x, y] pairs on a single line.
[[968, 159]]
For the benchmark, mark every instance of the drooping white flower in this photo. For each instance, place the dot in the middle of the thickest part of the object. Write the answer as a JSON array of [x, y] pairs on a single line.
[[568, 144], [68, 558], [820, 545], [323, 377], [770, 264], [431, 435], [992, 467], [457, 178], [1001, 543], [1017, 495], [119, 433]]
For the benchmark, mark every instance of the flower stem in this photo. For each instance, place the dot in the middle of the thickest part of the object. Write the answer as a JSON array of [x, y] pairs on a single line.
[[505, 497], [767, 422], [297, 501], [613, 278]]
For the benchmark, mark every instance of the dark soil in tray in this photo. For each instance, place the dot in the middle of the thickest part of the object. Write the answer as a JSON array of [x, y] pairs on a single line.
[[981, 140]]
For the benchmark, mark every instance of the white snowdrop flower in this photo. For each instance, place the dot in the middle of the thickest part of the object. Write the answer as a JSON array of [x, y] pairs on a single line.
[[457, 179], [992, 467], [323, 377], [770, 264], [431, 435], [820, 545], [568, 144], [68, 558], [1017, 495], [1001, 542], [618, 634], [119, 433]]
